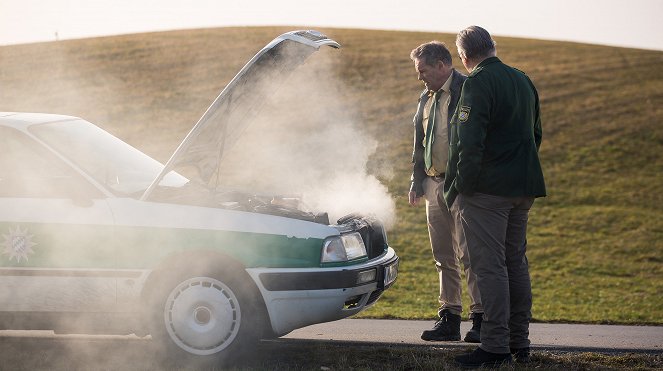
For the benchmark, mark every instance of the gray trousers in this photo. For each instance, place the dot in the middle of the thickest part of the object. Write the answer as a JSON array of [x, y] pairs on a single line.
[[496, 232], [449, 248]]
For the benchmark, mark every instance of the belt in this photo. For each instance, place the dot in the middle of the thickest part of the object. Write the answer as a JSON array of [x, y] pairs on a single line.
[[438, 178]]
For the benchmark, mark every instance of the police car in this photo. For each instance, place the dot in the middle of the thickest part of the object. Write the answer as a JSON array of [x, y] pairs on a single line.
[[96, 236]]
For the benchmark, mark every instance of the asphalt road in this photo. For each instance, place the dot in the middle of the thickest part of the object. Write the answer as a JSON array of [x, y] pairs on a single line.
[[570, 337]]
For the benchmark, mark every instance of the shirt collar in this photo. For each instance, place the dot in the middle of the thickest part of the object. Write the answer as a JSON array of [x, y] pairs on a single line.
[[445, 86]]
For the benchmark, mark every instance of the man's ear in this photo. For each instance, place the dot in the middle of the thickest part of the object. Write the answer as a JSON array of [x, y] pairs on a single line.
[[465, 62]]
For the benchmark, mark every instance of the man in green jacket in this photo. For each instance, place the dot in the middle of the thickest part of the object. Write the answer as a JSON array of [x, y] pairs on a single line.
[[493, 176]]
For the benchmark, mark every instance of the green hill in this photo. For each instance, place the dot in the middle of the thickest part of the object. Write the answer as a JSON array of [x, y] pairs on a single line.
[[595, 243]]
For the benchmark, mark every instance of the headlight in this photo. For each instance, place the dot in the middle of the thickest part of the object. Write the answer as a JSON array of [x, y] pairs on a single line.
[[343, 248]]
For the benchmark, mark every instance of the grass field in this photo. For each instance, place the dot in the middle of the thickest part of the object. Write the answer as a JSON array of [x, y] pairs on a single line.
[[595, 243]]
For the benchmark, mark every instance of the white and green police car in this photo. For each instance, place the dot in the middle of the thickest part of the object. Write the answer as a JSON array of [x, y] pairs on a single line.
[[96, 236]]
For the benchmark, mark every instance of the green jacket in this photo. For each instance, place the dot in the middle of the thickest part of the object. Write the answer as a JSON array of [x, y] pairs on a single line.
[[495, 135]]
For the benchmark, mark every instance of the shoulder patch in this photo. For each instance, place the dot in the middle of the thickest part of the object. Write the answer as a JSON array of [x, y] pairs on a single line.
[[464, 113]]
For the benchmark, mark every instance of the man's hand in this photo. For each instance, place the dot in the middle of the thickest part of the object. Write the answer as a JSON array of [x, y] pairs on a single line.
[[412, 198]]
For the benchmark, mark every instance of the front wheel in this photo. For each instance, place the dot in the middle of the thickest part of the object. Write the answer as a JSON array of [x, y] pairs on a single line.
[[207, 317]]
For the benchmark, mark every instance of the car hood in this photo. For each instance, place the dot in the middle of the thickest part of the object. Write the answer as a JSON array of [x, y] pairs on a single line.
[[239, 102]]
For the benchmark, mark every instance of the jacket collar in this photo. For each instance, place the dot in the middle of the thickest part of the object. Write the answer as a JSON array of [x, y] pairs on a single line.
[[457, 81], [488, 61]]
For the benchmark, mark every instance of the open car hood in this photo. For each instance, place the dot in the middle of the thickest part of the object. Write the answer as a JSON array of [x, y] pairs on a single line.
[[239, 102]]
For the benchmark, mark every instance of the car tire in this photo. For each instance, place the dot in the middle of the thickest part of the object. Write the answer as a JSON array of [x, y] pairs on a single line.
[[207, 316]]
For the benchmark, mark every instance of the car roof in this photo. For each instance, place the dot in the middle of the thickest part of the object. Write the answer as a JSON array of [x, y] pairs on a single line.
[[21, 120]]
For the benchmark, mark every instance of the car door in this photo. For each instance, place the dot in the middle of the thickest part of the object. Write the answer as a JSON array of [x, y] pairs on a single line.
[[56, 233]]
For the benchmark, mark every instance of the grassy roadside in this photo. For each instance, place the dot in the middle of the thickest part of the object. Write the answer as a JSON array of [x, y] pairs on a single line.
[[325, 356], [20, 354], [595, 244]]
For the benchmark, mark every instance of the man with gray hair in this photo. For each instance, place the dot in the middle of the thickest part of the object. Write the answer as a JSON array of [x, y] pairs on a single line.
[[437, 103], [493, 176]]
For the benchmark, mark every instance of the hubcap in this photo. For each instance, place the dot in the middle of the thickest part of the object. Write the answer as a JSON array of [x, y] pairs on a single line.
[[202, 315]]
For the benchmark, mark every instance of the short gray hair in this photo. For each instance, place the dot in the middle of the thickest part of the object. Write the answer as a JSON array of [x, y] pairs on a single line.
[[475, 42], [431, 52]]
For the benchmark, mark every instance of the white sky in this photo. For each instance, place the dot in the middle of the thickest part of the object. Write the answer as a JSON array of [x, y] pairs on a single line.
[[632, 23]]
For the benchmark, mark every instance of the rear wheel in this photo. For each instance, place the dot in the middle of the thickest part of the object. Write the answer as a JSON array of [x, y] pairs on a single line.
[[205, 316]]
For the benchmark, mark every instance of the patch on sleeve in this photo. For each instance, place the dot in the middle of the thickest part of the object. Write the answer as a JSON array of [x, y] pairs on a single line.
[[464, 113]]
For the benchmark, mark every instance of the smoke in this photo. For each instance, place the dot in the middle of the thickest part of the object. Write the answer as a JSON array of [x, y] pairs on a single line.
[[308, 142]]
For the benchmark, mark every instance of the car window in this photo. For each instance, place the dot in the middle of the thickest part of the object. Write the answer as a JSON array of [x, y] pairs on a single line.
[[111, 162], [30, 171]]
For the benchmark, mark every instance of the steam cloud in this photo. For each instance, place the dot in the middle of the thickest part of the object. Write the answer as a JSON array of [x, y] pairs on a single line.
[[308, 142]]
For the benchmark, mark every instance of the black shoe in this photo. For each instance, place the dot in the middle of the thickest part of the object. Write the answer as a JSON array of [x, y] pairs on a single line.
[[520, 355], [447, 328], [474, 335], [481, 358]]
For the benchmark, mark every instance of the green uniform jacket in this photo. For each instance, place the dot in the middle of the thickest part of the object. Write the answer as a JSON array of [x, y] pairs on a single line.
[[495, 135]]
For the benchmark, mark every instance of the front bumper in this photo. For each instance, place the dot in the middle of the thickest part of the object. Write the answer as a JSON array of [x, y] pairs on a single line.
[[298, 297]]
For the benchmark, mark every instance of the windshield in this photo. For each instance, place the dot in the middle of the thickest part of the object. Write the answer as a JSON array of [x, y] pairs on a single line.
[[111, 162]]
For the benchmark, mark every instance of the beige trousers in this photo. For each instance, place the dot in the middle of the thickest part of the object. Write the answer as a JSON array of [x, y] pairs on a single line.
[[449, 249]]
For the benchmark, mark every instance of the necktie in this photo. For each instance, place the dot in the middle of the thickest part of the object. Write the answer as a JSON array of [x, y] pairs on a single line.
[[430, 131]]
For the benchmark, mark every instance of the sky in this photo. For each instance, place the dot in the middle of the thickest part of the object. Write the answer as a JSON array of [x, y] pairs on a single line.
[[632, 23]]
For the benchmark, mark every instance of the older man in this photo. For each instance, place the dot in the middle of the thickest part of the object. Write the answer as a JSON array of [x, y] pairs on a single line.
[[493, 176], [437, 103]]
